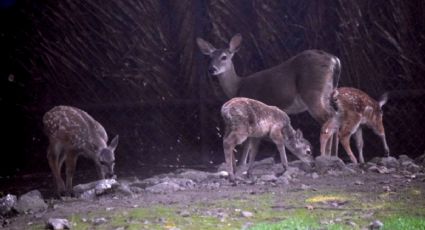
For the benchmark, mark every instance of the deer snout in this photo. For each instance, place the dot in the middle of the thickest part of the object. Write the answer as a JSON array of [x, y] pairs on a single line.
[[212, 70], [110, 176]]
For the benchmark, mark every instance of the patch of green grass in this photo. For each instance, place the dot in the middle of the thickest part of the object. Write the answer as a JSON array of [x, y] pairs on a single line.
[[404, 222], [401, 209]]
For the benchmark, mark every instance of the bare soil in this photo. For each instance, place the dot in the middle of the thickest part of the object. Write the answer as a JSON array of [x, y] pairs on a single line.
[[369, 184]]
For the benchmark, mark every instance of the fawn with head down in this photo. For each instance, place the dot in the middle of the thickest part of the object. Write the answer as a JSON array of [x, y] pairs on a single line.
[[354, 109], [304, 82], [247, 119], [71, 133]]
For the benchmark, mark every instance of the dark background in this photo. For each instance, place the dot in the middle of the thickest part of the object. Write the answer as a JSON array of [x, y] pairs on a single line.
[[135, 67]]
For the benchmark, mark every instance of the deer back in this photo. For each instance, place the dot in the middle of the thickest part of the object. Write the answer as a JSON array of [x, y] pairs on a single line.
[[255, 117], [354, 101], [74, 129]]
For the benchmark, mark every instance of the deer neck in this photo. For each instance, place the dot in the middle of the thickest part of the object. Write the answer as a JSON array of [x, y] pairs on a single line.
[[230, 82]]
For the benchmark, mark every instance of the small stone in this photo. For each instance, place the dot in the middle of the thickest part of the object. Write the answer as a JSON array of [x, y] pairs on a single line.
[[375, 225], [7, 204], [268, 178], [247, 214], [359, 182], [389, 162], [56, 224], [305, 187], [184, 213], [351, 223], [314, 175], [99, 220], [386, 188]]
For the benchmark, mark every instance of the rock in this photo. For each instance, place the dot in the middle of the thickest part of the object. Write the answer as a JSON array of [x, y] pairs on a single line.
[[99, 220], [100, 187], [196, 175], [404, 158], [326, 163], [375, 225], [420, 160], [282, 180], [375, 160], [305, 187], [56, 224], [413, 168], [7, 204], [247, 214], [358, 182], [87, 195], [291, 172], [268, 178], [184, 213], [267, 161], [124, 189], [105, 185], [181, 182], [31, 202], [389, 162], [164, 187], [380, 169], [304, 166], [314, 175]]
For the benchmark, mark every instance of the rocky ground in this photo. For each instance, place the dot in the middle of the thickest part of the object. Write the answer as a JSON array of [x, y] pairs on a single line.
[[184, 187]]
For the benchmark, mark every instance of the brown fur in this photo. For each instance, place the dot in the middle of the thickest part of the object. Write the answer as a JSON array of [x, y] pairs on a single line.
[[72, 132], [355, 109], [245, 118]]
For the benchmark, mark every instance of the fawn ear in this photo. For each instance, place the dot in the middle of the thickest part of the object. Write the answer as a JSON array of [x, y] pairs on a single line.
[[235, 43], [298, 134], [114, 143], [205, 47], [383, 100]]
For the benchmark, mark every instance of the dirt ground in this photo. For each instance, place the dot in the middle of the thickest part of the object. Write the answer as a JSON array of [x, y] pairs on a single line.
[[370, 185]]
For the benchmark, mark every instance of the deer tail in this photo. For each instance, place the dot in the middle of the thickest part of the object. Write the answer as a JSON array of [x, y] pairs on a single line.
[[336, 71]]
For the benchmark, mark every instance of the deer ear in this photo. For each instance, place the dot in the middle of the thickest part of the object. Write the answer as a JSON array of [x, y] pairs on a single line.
[[114, 143], [298, 134], [383, 100], [205, 47], [235, 43]]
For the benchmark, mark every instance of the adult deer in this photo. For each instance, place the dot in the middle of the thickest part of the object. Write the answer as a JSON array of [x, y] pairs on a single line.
[[302, 83], [251, 120], [71, 133], [355, 109]]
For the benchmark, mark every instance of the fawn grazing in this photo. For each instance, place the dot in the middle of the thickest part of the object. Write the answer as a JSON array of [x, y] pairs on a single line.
[[247, 119], [354, 109], [71, 133], [302, 83]]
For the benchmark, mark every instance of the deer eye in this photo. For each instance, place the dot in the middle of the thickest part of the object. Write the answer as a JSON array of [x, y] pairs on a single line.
[[223, 58]]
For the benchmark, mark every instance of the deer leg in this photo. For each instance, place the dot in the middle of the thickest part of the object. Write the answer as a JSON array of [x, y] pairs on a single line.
[[335, 139], [229, 144], [53, 159], [358, 135], [70, 161], [254, 150], [277, 138], [384, 141], [345, 141], [324, 142], [327, 135], [247, 146]]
